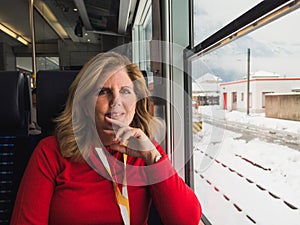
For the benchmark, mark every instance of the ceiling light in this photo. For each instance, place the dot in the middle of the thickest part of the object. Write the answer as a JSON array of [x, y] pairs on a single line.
[[8, 31], [51, 19], [13, 34], [22, 40]]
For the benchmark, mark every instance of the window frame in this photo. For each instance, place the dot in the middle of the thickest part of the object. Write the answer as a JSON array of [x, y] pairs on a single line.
[[256, 17]]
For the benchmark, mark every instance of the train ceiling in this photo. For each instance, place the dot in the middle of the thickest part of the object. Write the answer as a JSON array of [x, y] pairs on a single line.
[[77, 20]]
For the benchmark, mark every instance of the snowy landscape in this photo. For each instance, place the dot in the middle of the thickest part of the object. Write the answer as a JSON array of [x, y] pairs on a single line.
[[247, 167]]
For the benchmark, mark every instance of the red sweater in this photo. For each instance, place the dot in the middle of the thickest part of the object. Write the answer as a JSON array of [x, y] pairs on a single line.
[[55, 190]]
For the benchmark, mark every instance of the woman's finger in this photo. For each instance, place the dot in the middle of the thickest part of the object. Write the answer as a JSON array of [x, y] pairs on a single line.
[[127, 135], [119, 148], [121, 131], [115, 122]]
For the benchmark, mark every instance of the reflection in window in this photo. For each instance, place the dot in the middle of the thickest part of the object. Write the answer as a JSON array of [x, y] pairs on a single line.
[[142, 36]]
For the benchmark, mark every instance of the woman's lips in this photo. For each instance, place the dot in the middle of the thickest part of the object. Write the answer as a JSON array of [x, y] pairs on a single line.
[[115, 115]]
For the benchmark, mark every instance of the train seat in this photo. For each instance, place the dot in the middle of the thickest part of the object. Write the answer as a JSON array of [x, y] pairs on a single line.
[[14, 141], [52, 88]]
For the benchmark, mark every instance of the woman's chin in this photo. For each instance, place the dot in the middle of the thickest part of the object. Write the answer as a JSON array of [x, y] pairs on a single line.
[[106, 139]]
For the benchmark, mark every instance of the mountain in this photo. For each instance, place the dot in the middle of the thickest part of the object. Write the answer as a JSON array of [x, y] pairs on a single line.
[[230, 63]]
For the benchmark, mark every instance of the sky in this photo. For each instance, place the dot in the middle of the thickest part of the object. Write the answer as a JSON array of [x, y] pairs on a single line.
[[239, 180], [274, 47]]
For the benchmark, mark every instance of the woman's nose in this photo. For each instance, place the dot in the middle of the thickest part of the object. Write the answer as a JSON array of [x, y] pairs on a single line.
[[115, 99]]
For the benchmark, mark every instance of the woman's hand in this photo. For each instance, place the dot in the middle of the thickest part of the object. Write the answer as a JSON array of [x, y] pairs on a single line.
[[131, 141]]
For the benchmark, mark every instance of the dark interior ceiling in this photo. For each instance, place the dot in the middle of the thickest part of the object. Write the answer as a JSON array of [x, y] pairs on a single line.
[[93, 19], [103, 15]]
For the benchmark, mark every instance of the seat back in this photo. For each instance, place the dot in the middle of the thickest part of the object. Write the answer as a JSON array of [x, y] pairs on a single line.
[[12, 101], [14, 144], [52, 88]]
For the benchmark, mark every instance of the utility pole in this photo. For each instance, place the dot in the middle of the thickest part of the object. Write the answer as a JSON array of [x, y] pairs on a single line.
[[248, 81]]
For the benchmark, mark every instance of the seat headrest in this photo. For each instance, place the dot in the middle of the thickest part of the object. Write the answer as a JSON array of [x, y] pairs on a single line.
[[52, 89], [11, 100]]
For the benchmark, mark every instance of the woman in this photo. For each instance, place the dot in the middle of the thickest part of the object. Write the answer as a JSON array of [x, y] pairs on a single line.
[[103, 166]]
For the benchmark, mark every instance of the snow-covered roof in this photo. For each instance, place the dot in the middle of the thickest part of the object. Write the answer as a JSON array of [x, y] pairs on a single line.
[[208, 77], [206, 83], [262, 73], [196, 87], [205, 87], [285, 93]]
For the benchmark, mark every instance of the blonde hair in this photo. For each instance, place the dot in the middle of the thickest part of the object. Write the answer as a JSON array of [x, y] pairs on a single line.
[[74, 130]]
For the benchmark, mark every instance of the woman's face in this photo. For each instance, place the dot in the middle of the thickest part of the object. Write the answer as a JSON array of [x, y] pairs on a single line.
[[116, 99]]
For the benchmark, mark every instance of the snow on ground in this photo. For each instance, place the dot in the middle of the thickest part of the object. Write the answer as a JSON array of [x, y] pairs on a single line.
[[240, 181], [255, 119]]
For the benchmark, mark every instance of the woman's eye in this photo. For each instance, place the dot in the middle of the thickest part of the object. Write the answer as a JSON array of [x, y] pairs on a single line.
[[103, 91], [125, 91]]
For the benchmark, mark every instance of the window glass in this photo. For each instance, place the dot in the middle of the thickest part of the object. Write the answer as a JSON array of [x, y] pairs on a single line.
[[246, 163], [148, 38], [42, 63], [210, 16], [142, 35]]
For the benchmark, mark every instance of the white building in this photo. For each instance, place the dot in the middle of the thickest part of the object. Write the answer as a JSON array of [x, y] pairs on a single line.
[[206, 89], [234, 94]]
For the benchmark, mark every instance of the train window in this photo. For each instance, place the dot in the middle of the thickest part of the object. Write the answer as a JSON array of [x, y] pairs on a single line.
[[43, 63], [142, 36], [210, 16], [246, 163]]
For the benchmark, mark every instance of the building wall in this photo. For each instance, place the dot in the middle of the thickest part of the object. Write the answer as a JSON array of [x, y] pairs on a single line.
[[283, 106], [270, 86], [238, 87], [257, 89]]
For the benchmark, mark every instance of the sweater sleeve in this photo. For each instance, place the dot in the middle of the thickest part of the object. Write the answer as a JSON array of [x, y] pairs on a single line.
[[175, 201], [37, 186]]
